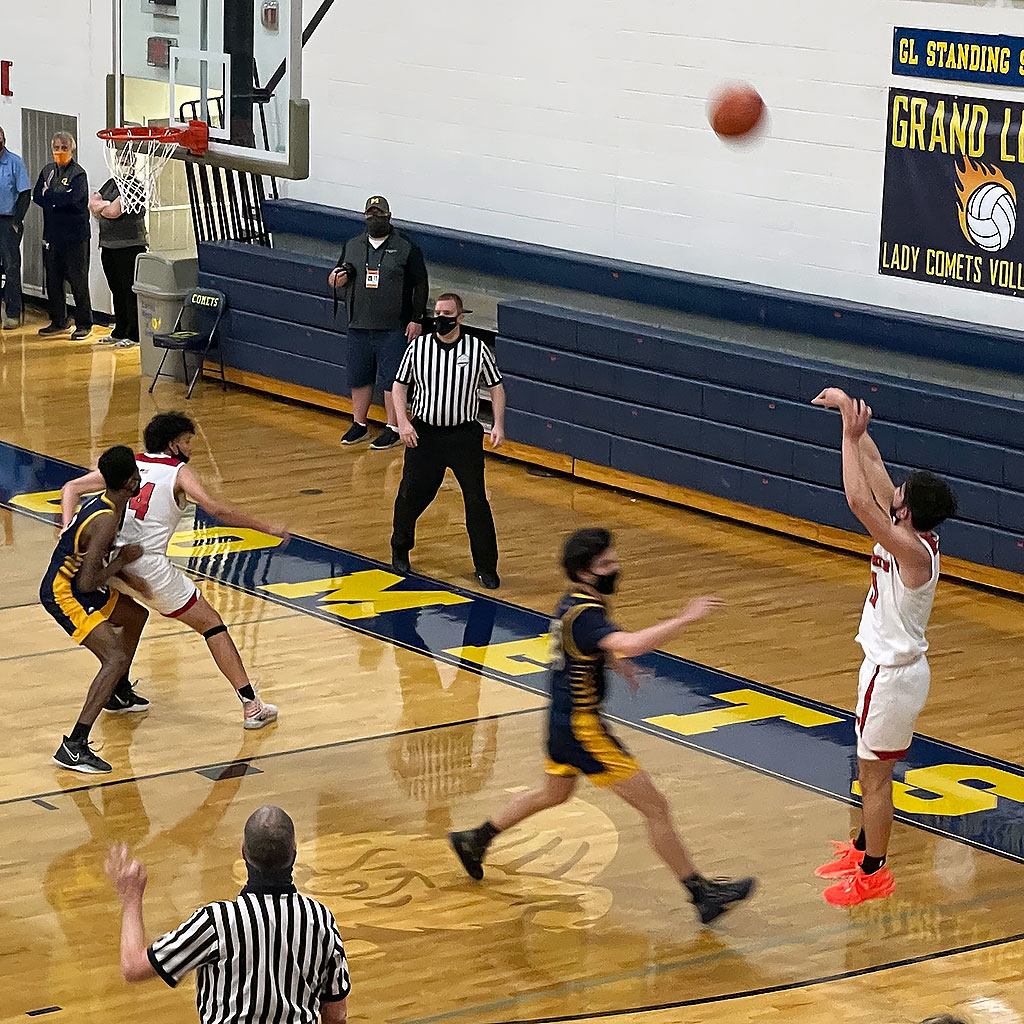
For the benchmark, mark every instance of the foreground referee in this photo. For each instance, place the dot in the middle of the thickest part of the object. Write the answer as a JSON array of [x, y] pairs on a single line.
[[445, 369], [270, 955]]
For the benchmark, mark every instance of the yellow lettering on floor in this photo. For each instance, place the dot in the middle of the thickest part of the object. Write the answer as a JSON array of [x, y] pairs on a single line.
[[218, 540], [750, 706], [951, 796], [45, 502], [514, 658], [362, 595]]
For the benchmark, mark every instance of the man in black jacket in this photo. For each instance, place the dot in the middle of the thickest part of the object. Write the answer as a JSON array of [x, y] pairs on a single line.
[[62, 190], [385, 282]]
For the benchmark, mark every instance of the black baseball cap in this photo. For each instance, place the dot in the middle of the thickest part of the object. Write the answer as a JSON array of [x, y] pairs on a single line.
[[377, 203]]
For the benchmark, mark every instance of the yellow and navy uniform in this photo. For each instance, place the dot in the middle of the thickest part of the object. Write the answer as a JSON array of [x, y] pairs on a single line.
[[579, 742], [77, 612]]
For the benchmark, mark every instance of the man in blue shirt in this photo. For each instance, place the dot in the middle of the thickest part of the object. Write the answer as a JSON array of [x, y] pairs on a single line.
[[15, 197]]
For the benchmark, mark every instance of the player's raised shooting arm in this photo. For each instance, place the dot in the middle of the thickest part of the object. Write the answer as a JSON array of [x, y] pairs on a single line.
[[879, 480], [74, 490], [222, 510], [903, 546], [631, 645]]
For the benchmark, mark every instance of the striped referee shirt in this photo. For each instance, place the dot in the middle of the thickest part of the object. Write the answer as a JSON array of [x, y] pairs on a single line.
[[445, 378], [266, 957]]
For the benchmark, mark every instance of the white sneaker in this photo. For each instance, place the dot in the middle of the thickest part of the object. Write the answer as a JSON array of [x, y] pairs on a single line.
[[257, 714]]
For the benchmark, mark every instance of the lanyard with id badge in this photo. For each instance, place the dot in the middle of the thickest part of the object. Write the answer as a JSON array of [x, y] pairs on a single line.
[[373, 275]]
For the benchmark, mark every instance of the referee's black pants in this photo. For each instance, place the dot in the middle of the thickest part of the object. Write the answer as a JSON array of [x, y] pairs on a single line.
[[460, 449]]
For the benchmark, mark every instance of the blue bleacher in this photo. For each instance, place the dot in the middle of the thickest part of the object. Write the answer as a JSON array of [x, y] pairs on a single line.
[[735, 422], [725, 419]]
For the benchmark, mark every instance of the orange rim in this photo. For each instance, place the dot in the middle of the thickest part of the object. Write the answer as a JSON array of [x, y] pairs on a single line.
[[194, 137]]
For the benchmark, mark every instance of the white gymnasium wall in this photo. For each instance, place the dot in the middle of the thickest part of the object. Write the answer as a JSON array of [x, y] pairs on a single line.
[[582, 124], [64, 72]]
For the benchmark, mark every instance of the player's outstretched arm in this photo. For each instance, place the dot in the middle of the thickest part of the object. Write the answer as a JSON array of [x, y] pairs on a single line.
[[74, 490], [878, 477], [226, 513], [879, 480], [631, 645], [901, 544]]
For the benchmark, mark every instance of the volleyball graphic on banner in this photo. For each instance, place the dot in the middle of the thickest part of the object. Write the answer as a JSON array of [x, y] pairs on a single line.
[[991, 216]]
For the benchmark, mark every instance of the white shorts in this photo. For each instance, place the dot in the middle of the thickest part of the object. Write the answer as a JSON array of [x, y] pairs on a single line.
[[889, 699], [171, 592]]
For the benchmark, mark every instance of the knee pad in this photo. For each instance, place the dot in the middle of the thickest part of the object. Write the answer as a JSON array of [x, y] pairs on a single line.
[[211, 633]]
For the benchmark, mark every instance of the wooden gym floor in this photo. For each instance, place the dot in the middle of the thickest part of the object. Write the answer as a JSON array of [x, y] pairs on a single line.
[[386, 739]]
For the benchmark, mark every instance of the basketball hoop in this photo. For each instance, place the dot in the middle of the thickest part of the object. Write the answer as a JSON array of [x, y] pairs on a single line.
[[136, 156]]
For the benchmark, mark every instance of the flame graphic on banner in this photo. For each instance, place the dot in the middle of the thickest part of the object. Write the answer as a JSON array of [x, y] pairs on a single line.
[[972, 177]]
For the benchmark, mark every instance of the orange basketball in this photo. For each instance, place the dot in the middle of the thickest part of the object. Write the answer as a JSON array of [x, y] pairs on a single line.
[[735, 110]]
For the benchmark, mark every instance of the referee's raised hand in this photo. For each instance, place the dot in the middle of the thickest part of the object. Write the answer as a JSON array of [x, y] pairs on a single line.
[[128, 875]]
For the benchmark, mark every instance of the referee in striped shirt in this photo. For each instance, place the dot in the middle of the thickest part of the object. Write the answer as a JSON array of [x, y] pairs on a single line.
[[271, 955], [444, 370]]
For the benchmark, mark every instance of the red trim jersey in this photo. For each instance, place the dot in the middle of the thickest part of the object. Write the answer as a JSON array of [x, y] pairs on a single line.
[[153, 514], [894, 619]]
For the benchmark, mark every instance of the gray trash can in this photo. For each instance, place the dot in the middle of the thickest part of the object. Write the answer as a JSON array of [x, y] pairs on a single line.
[[163, 281]]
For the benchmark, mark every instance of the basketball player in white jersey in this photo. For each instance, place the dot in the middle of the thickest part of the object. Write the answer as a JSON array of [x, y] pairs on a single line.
[[153, 516], [894, 676]]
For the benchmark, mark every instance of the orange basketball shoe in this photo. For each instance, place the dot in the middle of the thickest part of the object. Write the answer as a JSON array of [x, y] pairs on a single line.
[[847, 860], [859, 888]]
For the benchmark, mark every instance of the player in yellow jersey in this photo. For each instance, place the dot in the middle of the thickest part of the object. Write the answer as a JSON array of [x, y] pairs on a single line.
[[584, 640], [75, 592]]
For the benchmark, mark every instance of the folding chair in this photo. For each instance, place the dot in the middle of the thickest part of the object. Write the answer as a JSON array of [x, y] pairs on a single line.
[[194, 331]]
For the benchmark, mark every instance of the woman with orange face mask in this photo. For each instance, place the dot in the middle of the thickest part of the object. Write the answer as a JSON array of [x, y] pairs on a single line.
[[62, 190]]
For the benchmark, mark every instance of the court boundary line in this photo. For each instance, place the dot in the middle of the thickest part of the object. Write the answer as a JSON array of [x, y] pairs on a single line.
[[10, 801], [766, 990]]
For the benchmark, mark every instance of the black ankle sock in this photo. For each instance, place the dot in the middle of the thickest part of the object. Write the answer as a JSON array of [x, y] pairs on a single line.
[[485, 833], [860, 843], [247, 692], [80, 733], [696, 885], [869, 865]]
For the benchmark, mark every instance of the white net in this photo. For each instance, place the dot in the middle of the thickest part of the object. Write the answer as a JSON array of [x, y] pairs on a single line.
[[135, 164]]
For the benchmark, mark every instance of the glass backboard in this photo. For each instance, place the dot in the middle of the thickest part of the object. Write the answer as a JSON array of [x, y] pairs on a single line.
[[235, 64]]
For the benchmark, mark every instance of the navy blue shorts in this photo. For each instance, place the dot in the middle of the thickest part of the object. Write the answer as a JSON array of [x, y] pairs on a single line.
[[583, 745], [373, 356]]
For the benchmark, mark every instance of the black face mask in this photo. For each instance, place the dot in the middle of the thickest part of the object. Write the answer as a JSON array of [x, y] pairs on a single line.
[[445, 324], [179, 455], [378, 227], [138, 488], [606, 584]]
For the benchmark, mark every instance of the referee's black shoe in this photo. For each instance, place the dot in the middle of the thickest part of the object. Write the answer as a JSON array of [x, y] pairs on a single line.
[[470, 851], [400, 562], [488, 579]]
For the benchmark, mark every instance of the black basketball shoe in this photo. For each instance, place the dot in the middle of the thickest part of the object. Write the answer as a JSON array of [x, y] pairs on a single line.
[[124, 699], [470, 851], [77, 757], [713, 897]]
